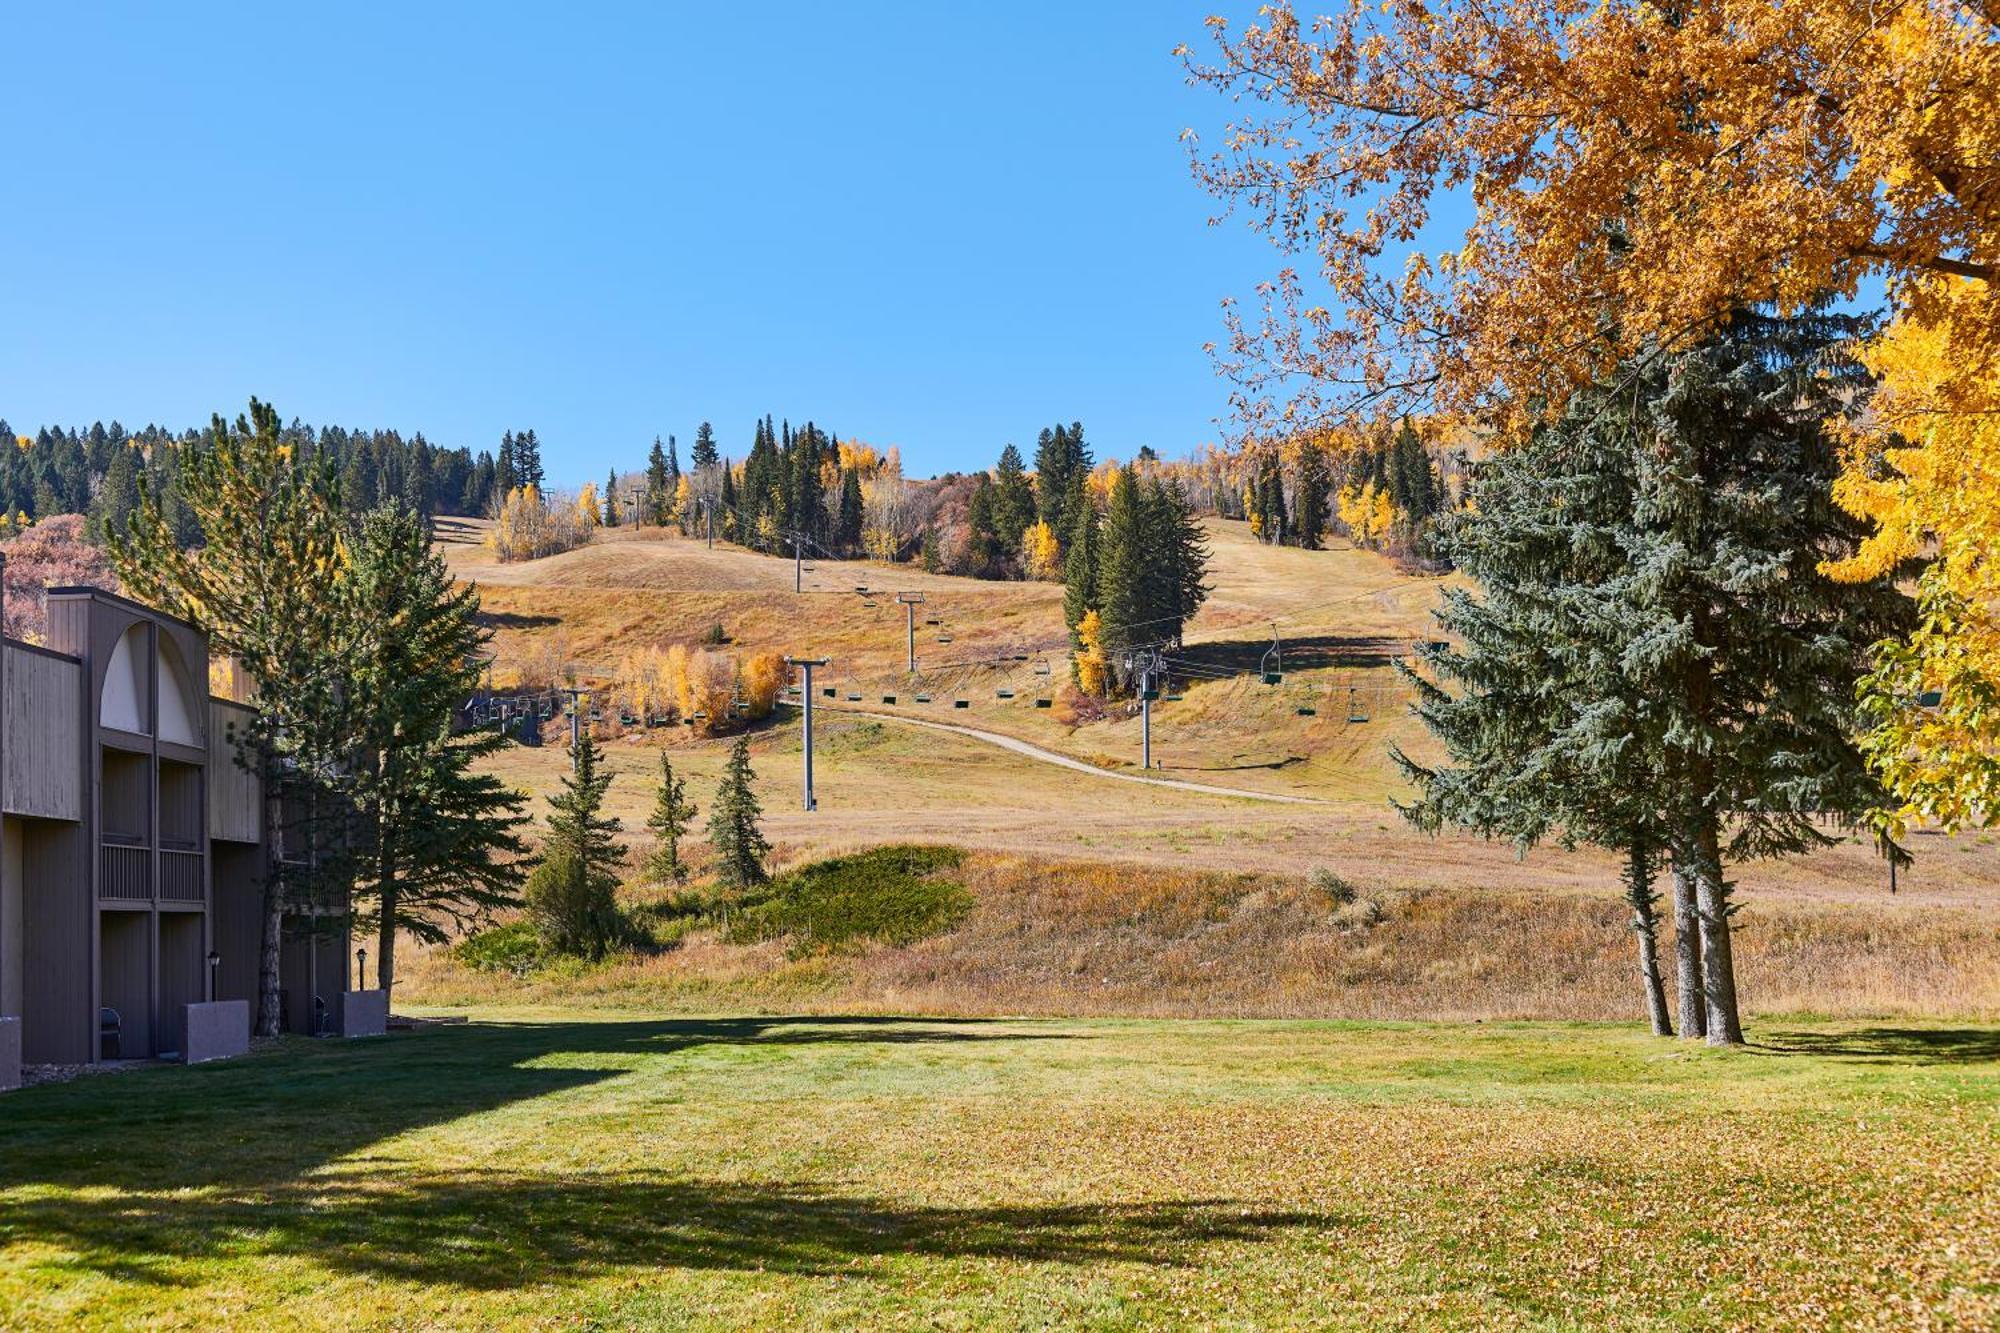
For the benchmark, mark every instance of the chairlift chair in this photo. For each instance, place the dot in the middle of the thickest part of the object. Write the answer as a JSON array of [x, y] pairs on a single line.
[[1355, 712], [944, 638], [1003, 693], [1043, 701], [854, 697], [923, 698], [888, 698], [830, 692], [961, 703]]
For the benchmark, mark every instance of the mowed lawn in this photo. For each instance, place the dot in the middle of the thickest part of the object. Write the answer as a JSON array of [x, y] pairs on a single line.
[[526, 1170]]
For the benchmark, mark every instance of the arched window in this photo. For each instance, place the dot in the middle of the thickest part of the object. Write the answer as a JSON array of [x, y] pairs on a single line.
[[124, 705]]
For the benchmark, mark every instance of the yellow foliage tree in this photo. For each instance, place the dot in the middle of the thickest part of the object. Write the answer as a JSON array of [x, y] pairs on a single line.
[[1041, 553], [527, 527], [763, 678], [589, 509], [1093, 672], [1671, 164]]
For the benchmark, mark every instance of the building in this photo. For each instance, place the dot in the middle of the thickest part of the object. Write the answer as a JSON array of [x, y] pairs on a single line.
[[132, 844]]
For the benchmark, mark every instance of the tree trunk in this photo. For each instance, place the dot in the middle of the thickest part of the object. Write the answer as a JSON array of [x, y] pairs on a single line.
[[1645, 926], [1687, 951], [385, 942], [1725, 1026], [270, 1009]]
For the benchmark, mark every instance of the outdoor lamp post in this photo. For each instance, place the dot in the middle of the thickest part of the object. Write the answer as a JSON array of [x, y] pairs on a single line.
[[361, 968], [214, 961]]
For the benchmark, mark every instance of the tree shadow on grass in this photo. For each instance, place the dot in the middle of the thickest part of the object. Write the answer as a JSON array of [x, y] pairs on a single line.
[[492, 1230], [271, 1118], [1883, 1045]]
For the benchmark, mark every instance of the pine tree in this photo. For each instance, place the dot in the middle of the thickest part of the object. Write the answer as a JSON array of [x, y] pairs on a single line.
[[611, 499], [265, 588], [982, 529], [848, 538], [436, 839], [738, 843], [672, 815], [1080, 564], [573, 895]]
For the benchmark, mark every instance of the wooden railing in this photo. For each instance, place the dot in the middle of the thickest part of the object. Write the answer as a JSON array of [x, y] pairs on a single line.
[[180, 877], [126, 872]]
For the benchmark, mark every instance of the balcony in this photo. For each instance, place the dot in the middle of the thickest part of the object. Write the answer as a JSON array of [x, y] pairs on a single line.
[[181, 880], [125, 873]]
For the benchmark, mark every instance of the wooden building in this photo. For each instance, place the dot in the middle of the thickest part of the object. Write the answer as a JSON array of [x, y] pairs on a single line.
[[132, 843]]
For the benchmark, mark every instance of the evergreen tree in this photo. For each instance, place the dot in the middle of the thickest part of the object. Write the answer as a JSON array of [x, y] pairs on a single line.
[[528, 461], [1013, 501], [1079, 565], [1121, 571], [1708, 664], [738, 843], [573, 895], [806, 498], [1061, 461], [848, 537], [611, 499], [1315, 491], [704, 454], [118, 496], [438, 841], [271, 535], [506, 474], [672, 815], [659, 485], [982, 529]]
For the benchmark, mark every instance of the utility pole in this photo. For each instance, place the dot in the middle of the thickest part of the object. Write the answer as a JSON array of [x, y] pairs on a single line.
[[911, 601], [1147, 664], [798, 562], [805, 666], [576, 696]]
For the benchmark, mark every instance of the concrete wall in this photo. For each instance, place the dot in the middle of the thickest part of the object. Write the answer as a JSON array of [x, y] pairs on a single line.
[[41, 711], [364, 1013], [214, 1031], [10, 1054]]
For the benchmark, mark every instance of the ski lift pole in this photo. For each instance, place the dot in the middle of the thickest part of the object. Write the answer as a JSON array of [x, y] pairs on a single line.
[[911, 601], [806, 665], [575, 719]]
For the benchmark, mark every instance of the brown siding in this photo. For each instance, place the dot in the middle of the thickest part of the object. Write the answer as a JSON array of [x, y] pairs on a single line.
[[43, 715], [235, 801], [59, 1016]]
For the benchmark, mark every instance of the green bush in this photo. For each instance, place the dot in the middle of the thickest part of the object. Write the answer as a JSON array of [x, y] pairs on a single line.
[[888, 895], [514, 947]]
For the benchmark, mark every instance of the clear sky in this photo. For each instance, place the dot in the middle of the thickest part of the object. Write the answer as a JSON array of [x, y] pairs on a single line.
[[940, 226]]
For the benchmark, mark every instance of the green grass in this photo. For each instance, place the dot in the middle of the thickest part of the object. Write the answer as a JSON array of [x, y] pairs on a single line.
[[885, 895], [844, 1171]]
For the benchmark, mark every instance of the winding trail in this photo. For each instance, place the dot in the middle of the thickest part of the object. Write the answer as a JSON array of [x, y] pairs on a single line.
[[1037, 753]]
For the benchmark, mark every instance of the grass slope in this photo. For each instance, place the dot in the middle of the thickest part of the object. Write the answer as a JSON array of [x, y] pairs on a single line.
[[812, 1173]]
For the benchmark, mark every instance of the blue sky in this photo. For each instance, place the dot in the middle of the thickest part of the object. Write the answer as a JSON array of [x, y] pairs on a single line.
[[939, 226]]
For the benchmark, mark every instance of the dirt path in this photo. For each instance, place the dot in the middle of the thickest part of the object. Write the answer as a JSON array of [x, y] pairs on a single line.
[[1036, 752]]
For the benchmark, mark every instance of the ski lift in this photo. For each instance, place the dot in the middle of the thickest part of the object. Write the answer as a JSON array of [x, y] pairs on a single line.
[[861, 588], [1042, 667], [1150, 694], [1306, 710], [1043, 701], [1273, 664], [1003, 693], [1173, 698], [869, 602], [1930, 699], [853, 696], [923, 698], [1355, 712], [944, 638], [698, 715], [961, 703], [830, 692], [933, 620], [888, 698]]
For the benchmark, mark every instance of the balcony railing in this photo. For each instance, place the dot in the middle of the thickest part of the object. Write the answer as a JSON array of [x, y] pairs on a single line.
[[125, 872], [181, 877]]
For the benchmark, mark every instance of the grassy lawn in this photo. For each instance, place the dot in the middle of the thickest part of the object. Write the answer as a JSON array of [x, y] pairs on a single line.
[[647, 1172]]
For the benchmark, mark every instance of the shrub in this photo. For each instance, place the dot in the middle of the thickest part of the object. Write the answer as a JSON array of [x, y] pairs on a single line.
[[514, 947], [573, 912], [714, 636], [888, 895], [1335, 889]]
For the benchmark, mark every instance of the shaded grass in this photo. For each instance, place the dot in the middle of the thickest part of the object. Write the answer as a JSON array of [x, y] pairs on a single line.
[[729, 1172], [886, 895]]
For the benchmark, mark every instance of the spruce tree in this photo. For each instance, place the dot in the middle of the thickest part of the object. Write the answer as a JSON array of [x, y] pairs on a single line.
[[1013, 501], [436, 842], [659, 487], [1079, 566], [1121, 571], [704, 454], [573, 895], [733, 834], [672, 815], [848, 538], [1315, 490], [528, 461], [1685, 659], [117, 495]]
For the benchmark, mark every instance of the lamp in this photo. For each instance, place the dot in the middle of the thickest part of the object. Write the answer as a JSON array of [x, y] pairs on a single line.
[[214, 961], [361, 968]]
